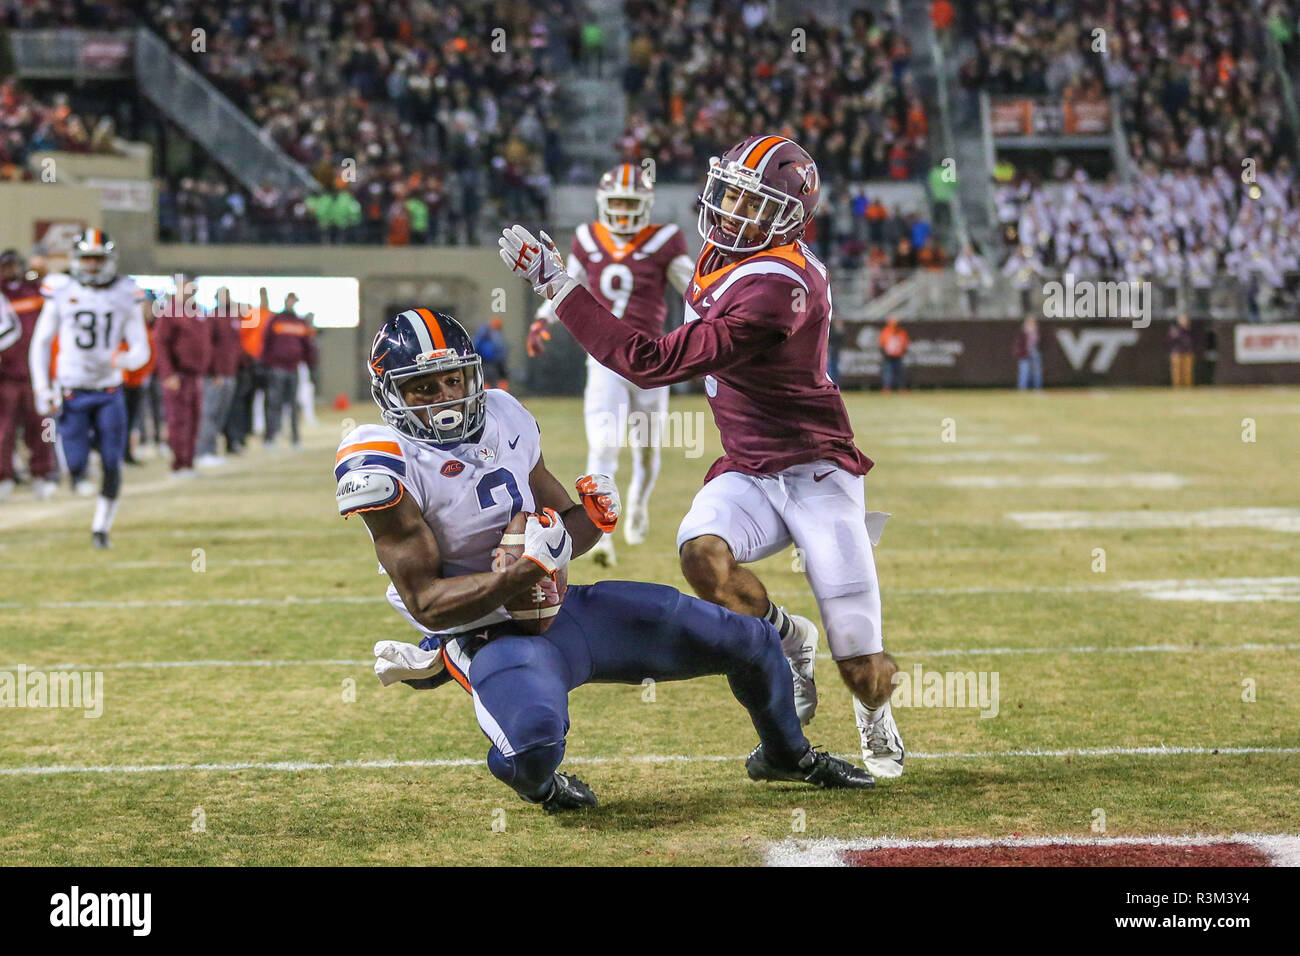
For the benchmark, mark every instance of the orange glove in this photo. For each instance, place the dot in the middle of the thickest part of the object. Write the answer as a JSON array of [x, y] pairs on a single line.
[[600, 498], [538, 333]]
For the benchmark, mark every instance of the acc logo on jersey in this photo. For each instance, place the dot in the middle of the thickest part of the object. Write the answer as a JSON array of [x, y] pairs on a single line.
[[452, 468]]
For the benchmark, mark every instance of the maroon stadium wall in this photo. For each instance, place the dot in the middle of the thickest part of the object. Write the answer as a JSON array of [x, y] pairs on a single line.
[[979, 352]]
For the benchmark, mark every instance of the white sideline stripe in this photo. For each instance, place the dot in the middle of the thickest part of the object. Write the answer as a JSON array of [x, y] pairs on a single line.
[[1154, 480], [294, 766], [1283, 849], [70, 504], [1265, 519], [919, 652], [164, 665]]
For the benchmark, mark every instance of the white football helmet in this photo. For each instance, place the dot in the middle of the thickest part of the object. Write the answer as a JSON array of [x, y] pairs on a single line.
[[94, 244], [635, 194]]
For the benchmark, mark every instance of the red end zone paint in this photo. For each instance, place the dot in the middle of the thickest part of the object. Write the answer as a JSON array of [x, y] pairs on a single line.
[[1062, 854], [1240, 849]]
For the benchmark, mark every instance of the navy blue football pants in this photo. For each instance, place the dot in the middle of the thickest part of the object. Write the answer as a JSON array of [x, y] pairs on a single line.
[[621, 632], [94, 419]]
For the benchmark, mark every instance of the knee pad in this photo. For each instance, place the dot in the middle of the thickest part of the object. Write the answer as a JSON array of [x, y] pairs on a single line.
[[527, 772], [852, 624]]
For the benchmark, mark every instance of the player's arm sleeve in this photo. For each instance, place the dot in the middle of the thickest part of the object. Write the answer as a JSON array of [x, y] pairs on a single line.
[[38, 353], [137, 344], [693, 349], [574, 268], [680, 271]]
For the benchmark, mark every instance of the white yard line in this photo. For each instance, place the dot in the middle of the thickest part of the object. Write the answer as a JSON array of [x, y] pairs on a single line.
[[1172, 589], [917, 652], [1263, 519], [990, 457], [297, 766], [1153, 481]]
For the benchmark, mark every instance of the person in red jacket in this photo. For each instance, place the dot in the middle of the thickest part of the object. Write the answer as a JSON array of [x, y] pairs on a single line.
[[17, 403], [289, 340], [219, 387], [184, 334]]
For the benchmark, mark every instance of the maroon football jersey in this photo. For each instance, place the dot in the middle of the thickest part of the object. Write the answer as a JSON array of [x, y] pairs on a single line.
[[628, 276], [757, 328], [26, 299]]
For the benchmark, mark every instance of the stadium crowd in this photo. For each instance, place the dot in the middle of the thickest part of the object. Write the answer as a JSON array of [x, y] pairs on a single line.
[[700, 77], [29, 125]]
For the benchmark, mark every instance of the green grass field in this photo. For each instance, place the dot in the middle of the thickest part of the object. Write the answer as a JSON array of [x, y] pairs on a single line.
[[253, 565]]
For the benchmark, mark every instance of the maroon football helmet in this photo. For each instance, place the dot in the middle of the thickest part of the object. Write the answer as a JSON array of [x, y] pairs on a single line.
[[768, 184]]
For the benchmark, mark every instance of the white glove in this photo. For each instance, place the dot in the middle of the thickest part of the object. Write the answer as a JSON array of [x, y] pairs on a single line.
[[48, 402], [600, 498], [546, 541], [538, 261], [397, 660]]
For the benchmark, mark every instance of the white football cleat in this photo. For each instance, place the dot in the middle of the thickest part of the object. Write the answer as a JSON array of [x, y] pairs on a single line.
[[882, 745], [636, 523], [209, 461], [800, 649], [84, 488], [6, 489], [42, 488], [603, 551]]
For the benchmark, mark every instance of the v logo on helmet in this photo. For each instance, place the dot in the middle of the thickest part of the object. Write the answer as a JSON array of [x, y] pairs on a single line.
[[808, 173]]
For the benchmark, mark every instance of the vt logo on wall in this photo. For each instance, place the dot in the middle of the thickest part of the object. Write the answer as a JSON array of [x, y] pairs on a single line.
[[1077, 346]]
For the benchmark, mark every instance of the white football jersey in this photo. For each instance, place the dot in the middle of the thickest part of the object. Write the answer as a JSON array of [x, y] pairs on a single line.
[[468, 493], [91, 323]]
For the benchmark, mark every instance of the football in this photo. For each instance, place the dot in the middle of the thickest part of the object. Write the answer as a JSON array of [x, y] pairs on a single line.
[[536, 608]]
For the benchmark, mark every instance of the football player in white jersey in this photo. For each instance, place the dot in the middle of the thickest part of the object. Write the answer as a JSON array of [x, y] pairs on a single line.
[[626, 261], [90, 312], [438, 484]]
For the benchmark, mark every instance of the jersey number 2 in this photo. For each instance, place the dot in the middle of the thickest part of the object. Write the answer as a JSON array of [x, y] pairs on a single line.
[[495, 479]]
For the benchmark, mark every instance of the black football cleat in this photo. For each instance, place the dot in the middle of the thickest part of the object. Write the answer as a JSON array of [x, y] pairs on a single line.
[[816, 767], [569, 793], [100, 540]]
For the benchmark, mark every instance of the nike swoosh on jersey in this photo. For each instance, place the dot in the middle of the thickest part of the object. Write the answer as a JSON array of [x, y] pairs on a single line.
[[825, 474], [515, 442]]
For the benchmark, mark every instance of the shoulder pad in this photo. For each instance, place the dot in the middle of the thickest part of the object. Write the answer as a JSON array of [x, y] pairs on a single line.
[[366, 491]]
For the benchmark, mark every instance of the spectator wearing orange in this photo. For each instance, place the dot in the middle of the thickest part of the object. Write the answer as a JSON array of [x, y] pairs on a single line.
[[251, 375], [894, 342]]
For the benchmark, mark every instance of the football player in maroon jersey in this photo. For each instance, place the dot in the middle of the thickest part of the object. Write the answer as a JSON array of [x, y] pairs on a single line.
[[758, 314], [625, 261]]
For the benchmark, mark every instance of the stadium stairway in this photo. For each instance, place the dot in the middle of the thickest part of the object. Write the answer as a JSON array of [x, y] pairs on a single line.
[[599, 104], [211, 120], [173, 86]]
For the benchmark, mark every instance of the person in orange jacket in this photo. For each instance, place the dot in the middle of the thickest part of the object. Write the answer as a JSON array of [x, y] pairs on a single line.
[[894, 342]]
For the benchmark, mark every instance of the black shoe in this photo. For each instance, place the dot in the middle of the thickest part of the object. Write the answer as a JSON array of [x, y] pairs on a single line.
[[817, 767], [131, 460], [100, 540], [568, 793]]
